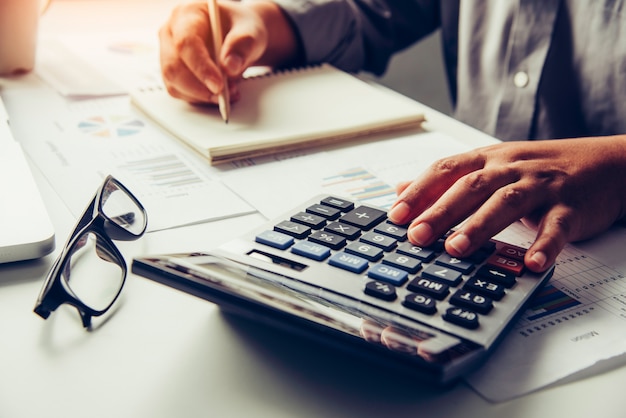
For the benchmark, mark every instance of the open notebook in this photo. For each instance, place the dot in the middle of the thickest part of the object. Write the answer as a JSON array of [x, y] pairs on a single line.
[[283, 111]]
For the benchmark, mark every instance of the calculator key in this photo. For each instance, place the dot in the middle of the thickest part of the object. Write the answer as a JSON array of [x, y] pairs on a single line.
[[333, 241], [341, 204], [324, 211], [308, 219], [471, 300], [404, 262], [506, 264], [381, 290], [432, 288], [392, 230], [424, 254], [505, 278], [442, 274], [294, 229], [274, 239], [420, 303], [364, 217], [447, 260], [462, 317], [388, 274], [345, 230], [366, 251], [348, 262], [491, 290], [311, 250], [511, 251], [379, 240]]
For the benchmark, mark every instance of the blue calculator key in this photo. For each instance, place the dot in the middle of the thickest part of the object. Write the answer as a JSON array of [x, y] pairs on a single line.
[[311, 250], [388, 274], [274, 239], [348, 262]]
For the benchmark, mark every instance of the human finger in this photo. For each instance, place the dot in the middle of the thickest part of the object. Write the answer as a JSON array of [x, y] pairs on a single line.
[[416, 197], [553, 233]]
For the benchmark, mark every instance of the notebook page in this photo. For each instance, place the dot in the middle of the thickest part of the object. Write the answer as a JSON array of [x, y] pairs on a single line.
[[283, 110]]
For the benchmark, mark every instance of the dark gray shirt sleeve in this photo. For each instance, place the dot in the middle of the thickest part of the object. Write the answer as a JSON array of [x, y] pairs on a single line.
[[359, 34]]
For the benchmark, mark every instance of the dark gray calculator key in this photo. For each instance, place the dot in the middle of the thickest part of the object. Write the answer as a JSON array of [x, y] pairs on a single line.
[[311, 250], [324, 211], [381, 290], [382, 241], [345, 230], [493, 291], [442, 274], [294, 229], [392, 230], [505, 278], [364, 217], [274, 239], [420, 303], [471, 300], [388, 274], [348, 262], [366, 251], [424, 254], [341, 204], [429, 287], [462, 317], [404, 262], [447, 260], [333, 241], [308, 219]]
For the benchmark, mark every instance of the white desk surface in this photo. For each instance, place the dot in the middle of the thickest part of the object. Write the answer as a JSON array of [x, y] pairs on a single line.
[[165, 353]]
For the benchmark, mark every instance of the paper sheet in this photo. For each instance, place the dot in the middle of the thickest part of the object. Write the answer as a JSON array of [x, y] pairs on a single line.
[[75, 143], [578, 320]]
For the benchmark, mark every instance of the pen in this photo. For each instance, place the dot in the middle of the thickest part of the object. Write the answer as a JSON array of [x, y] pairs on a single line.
[[216, 29]]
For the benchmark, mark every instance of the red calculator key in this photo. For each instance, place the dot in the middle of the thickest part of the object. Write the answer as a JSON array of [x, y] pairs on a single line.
[[506, 264]]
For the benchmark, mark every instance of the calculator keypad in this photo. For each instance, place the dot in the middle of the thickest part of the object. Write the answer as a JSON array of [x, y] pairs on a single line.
[[395, 274]]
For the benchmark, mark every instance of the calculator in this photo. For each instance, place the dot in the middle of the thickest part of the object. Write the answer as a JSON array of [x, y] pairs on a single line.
[[342, 273]]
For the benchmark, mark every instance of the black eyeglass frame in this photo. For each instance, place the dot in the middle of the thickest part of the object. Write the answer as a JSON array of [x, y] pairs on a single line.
[[55, 290]]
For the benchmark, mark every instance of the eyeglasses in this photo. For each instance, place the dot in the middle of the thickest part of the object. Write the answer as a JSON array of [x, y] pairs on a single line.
[[90, 271]]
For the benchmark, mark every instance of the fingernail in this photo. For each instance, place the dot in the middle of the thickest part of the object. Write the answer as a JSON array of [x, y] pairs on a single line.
[[421, 233], [460, 243], [399, 212], [539, 258], [232, 64], [212, 84]]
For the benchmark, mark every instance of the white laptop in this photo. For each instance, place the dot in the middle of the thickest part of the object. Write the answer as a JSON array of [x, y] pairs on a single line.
[[26, 231]]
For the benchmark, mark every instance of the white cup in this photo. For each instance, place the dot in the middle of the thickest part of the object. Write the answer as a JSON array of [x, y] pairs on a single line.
[[18, 34]]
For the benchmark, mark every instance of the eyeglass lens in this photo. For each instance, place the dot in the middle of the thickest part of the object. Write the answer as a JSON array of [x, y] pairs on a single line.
[[122, 209], [93, 272]]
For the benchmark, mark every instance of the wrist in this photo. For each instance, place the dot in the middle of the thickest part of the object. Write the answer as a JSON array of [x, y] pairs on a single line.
[[283, 45]]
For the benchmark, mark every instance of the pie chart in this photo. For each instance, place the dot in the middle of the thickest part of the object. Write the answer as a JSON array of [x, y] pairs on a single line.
[[110, 126]]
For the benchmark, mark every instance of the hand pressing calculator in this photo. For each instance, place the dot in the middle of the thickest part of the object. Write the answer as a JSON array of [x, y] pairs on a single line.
[[341, 272]]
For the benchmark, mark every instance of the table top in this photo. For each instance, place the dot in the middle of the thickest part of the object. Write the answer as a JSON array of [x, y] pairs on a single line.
[[164, 353]]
